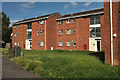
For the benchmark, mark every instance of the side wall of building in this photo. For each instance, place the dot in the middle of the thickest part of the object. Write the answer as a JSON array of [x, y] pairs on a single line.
[[51, 32], [107, 30]]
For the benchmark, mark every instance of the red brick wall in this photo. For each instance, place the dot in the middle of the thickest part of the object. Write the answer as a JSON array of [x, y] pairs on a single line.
[[36, 37], [51, 32], [22, 35], [66, 37], [81, 37], [106, 37], [119, 37], [83, 33], [102, 32]]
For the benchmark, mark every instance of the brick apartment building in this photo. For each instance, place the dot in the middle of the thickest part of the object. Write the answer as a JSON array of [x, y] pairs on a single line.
[[80, 31], [88, 31], [36, 33]]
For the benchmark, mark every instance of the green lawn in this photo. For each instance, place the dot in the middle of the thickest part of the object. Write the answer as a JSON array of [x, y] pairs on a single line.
[[64, 64]]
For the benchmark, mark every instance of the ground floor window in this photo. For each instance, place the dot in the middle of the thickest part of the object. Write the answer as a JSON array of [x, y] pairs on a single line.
[[60, 43], [18, 43], [41, 43], [68, 43], [15, 43], [74, 43], [37, 43]]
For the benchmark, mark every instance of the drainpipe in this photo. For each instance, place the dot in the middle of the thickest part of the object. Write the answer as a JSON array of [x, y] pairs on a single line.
[[45, 34], [111, 32]]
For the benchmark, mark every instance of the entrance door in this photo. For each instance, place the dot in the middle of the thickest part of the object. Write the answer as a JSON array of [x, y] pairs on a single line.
[[28, 44], [97, 45]]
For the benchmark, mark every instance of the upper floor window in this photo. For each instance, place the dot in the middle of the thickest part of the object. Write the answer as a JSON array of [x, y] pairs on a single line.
[[18, 33], [68, 43], [37, 32], [95, 32], [68, 31], [29, 26], [68, 21], [73, 20], [15, 26], [15, 43], [37, 22], [18, 26], [60, 43], [74, 43], [60, 32], [74, 31], [41, 32], [41, 21], [41, 43], [28, 35], [95, 19], [15, 34], [37, 44], [18, 43], [60, 22]]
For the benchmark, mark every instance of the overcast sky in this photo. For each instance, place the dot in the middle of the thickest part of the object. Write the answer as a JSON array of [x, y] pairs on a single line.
[[21, 10]]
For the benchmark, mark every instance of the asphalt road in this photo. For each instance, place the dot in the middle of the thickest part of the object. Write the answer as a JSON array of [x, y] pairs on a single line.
[[11, 70]]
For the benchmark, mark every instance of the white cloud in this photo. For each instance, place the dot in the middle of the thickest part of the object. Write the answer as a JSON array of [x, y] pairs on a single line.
[[71, 4], [66, 6], [28, 5], [87, 4], [12, 21], [74, 3]]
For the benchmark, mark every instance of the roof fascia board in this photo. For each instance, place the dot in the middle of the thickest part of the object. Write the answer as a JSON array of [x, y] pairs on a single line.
[[81, 15]]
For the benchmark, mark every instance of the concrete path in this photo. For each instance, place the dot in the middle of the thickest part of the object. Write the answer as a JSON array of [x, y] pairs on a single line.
[[11, 70]]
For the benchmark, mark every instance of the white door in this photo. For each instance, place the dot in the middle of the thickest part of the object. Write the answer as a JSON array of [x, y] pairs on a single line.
[[28, 44], [97, 45]]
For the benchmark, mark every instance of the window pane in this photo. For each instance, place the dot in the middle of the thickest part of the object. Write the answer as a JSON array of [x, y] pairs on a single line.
[[41, 43], [92, 32], [68, 31], [60, 43], [60, 32], [68, 43]]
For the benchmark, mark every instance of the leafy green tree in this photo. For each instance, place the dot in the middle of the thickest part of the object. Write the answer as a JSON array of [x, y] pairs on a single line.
[[6, 30]]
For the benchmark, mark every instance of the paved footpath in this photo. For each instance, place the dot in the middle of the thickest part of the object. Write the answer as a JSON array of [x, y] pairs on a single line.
[[11, 70]]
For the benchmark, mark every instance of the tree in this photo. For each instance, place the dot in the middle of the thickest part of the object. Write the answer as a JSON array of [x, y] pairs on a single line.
[[6, 30]]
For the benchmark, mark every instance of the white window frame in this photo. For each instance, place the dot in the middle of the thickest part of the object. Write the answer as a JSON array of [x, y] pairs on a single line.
[[68, 32], [74, 42], [60, 22], [41, 43], [37, 43], [41, 32], [68, 21], [18, 33], [74, 30], [18, 43], [15, 35], [68, 43], [15, 26], [15, 43], [37, 32], [74, 20], [41, 21], [37, 23], [60, 32], [60, 43]]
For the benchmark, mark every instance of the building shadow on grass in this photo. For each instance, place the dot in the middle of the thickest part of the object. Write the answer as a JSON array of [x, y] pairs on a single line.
[[99, 55]]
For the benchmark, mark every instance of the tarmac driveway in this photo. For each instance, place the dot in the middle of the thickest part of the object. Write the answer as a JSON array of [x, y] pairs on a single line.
[[11, 70]]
